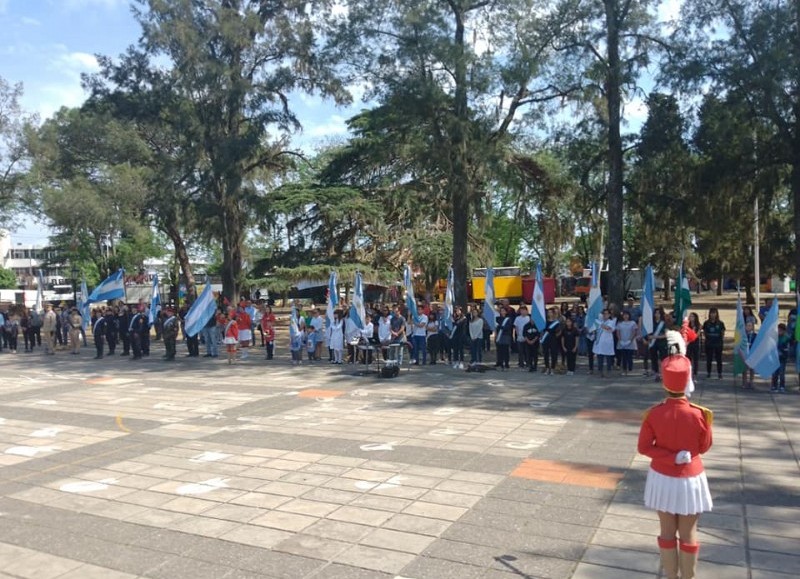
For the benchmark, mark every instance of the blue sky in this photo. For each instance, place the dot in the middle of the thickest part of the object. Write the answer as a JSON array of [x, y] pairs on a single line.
[[47, 44]]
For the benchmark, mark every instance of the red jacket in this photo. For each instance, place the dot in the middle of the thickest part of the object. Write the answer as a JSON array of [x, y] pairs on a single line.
[[672, 426]]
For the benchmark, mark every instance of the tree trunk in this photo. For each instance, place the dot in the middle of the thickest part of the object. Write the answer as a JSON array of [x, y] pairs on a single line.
[[460, 187], [721, 283], [795, 178], [614, 193], [182, 256], [231, 254]]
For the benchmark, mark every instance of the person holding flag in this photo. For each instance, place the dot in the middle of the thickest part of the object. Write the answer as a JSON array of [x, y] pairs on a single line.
[[763, 358], [683, 297]]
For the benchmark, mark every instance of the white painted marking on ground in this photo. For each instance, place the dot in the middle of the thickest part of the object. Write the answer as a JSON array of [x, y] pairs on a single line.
[[28, 378], [530, 445], [538, 404], [210, 456], [296, 416], [30, 451], [46, 432], [214, 416], [496, 383], [392, 483], [550, 421], [447, 411], [446, 432], [121, 400], [201, 488], [2, 420], [163, 406], [45, 402], [378, 446], [87, 486], [359, 392]]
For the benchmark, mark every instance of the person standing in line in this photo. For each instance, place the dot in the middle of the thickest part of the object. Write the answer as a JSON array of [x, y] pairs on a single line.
[[99, 334], [49, 329], [657, 342], [520, 321], [336, 337], [714, 334], [75, 324], [136, 330], [503, 336], [627, 332], [420, 329], [231, 336], [169, 332], [209, 332], [532, 335], [460, 337], [779, 376], [268, 328], [569, 344], [604, 343], [35, 328], [432, 336], [674, 433], [245, 333], [693, 347], [124, 323], [476, 338], [750, 335]]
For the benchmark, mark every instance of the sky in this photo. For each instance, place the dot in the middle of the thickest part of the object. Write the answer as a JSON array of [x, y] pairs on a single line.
[[47, 44]]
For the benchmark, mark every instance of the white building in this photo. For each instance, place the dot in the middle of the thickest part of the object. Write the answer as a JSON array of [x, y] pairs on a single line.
[[25, 260]]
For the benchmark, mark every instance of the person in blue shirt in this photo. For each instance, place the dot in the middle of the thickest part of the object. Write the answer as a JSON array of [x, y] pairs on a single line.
[[779, 377]]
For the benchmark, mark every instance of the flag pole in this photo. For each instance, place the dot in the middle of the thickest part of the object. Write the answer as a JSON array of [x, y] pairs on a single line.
[[757, 260]]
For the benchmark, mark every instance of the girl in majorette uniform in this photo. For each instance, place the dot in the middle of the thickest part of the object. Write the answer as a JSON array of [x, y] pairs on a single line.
[[231, 336], [674, 434]]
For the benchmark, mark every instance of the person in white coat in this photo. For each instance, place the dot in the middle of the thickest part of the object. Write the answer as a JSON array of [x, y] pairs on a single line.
[[336, 337], [604, 342]]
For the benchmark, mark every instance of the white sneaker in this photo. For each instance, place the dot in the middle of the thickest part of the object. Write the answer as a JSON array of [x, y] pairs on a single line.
[[413, 362], [570, 373], [460, 365], [455, 366]]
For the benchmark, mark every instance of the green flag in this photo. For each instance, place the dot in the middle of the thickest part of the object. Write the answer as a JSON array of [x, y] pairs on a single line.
[[683, 296]]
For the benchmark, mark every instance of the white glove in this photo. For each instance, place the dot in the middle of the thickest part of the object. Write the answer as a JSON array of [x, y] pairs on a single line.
[[683, 457]]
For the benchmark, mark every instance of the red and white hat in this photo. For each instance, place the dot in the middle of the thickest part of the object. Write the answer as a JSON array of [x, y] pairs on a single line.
[[676, 372]]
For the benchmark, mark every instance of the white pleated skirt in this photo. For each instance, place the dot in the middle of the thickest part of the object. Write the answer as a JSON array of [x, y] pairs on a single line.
[[677, 495]]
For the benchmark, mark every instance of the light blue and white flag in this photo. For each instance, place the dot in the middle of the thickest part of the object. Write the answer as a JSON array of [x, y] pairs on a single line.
[[155, 301], [489, 313], [411, 301], [763, 356], [112, 288], [294, 325], [333, 298], [449, 299], [594, 304], [86, 315], [537, 307], [201, 311], [39, 305], [357, 312], [648, 300]]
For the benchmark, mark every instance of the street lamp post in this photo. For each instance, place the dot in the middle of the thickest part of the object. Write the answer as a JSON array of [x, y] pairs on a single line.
[[75, 285]]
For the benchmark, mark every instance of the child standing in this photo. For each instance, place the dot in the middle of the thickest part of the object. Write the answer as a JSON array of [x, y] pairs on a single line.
[[297, 339], [626, 341], [231, 336], [569, 344], [751, 334], [779, 377], [311, 342], [336, 337]]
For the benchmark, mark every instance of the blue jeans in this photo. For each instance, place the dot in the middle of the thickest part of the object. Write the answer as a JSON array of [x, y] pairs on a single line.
[[476, 351], [420, 351], [627, 359], [779, 377], [210, 337]]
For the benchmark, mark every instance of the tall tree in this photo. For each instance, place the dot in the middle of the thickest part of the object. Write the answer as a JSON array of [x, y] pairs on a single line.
[[467, 75], [12, 149], [752, 49], [231, 67]]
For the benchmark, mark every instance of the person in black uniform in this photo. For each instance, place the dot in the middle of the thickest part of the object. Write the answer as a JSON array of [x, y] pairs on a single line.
[[532, 335], [137, 330], [123, 325], [111, 331], [99, 333]]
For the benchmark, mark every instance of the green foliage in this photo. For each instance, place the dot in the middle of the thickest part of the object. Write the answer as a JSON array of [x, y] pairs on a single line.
[[12, 151], [7, 279]]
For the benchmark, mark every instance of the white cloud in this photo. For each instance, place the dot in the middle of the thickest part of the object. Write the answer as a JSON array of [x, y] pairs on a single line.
[[78, 62], [635, 112], [335, 126], [27, 20], [84, 4]]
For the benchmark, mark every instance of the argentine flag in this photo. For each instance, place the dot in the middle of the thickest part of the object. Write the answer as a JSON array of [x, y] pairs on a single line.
[[200, 312], [488, 303], [39, 306], [411, 301], [648, 300], [112, 288], [595, 301], [294, 325], [333, 298], [537, 307], [763, 356], [86, 315], [449, 298], [155, 301], [357, 313]]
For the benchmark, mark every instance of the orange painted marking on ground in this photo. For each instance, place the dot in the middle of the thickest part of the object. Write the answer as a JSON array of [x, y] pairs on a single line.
[[312, 393], [100, 380], [570, 473], [610, 415]]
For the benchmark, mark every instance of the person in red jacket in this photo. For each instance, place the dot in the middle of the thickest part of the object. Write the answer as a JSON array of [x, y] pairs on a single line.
[[674, 434], [231, 335]]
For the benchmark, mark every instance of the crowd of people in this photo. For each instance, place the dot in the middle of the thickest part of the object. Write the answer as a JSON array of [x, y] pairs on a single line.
[[612, 343]]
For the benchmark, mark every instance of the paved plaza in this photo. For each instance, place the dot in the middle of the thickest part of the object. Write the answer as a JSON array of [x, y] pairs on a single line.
[[114, 469]]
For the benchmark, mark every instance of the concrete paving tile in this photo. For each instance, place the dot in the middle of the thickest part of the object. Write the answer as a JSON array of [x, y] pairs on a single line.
[[370, 501], [397, 540], [311, 508], [337, 571], [280, 565], [430, 568], [325, 495], [416, 524], [157, 517], [95, 572], [312, 546], [284, 521], [328, 529], [434, 511], [374, 558], [188, 505], [260, 500], [256, 536], [204, 526], [590, 571], [441, 497], [37, 565], [185, 568], [360, 515], [769, 561], [622, 559]]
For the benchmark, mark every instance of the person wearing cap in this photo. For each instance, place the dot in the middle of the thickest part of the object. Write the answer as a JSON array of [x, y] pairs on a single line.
[[49, 329], [674, 433], [75, 325]]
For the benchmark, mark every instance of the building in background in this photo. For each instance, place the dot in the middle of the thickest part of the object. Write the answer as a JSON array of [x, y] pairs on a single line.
[[25, 260]]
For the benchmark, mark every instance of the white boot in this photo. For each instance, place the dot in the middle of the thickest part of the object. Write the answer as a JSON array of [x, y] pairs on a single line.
[[688, 559]]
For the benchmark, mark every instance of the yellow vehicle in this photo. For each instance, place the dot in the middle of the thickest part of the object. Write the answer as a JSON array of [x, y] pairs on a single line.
[[507, 284]]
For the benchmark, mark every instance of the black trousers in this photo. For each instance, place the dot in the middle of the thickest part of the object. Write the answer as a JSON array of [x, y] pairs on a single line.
[[533, 355], [170, 346], [112, 343], [714, 354], [136, 344], [193, 345], [503, 355], [99, 344], [126, 343]]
